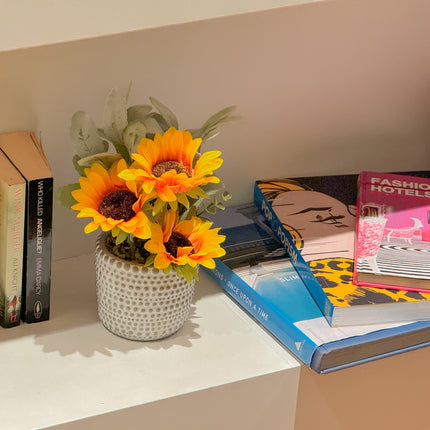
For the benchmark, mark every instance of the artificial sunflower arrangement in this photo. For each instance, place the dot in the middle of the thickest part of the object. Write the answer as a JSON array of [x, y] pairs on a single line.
[[147, 183]]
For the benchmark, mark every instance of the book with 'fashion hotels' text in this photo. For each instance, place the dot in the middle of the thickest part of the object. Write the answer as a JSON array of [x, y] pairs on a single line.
[[393, 232]]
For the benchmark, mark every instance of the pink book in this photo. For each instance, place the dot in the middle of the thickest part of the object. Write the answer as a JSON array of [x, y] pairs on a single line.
[[392, 248]]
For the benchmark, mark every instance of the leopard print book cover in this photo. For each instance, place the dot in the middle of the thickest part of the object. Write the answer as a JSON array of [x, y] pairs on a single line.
[[335, 276]]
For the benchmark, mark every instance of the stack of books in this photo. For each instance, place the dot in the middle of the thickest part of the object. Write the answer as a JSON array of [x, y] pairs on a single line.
[[294, 260], [26, 199]]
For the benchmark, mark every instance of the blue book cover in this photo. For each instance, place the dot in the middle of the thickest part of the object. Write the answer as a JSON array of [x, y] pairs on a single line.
[[258, 274], [315, 219]]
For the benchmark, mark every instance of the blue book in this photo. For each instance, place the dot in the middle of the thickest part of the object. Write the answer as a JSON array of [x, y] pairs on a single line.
[[257, 273]]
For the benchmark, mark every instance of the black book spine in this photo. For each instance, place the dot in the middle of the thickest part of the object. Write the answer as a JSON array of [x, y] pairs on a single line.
[[37, 251]]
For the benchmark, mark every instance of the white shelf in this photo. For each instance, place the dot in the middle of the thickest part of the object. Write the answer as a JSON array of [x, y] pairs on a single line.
[[27, 23], [71, 368], [312, 87]]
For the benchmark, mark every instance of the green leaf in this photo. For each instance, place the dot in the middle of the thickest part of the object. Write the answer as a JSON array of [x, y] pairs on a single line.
[[103, 136], [226, 196], [188, 214], [209, 128], [64, 195], [138, 112], [153, 126], [195, 132], [132, 135], [210, 135], [115, 115], [123, 151], [165, 112], [178, 270], [212, 189], [159, 120], [85, 136], [76, 165], [118, 146], [197, 192], [149, 260], [219, 117], [219, 205], [106, 159], [183, 200], [122, 235], [174, 205], [167, 269], [158, 206], [187, 272], [147, 208], [211, 208]]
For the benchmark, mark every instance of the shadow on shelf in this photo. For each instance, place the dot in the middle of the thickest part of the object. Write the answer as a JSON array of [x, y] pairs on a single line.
[[95, 338], [74, 326]]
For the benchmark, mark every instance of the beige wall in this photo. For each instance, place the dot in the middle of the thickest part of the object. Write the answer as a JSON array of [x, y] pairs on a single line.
[[326, 87], [386, 394]]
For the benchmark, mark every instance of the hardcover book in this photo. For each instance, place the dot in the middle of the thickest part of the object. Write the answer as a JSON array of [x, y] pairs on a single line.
[[257, 273], [393, 232], [12, 217], [26, 154], [314, 218]]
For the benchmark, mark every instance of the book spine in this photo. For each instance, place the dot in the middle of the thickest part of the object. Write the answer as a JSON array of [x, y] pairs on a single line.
[[299, 263], [12, 206], [357, 226], [278, 325], [374, 346], [38, 240]]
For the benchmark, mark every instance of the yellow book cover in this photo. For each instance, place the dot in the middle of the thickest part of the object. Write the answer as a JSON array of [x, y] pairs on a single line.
[[12, 218]]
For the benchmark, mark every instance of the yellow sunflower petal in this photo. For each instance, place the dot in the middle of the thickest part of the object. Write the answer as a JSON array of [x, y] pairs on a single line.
[[156, 244], [176, 146], [170, 219], [166, 194], [161, 261], [90, 227], [128, 174], [98, 184], [184, 251], [209, 263]]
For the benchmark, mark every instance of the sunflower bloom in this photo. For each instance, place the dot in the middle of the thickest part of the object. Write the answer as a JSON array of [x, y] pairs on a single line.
[[165, 166], [187, 242], [105, 197]]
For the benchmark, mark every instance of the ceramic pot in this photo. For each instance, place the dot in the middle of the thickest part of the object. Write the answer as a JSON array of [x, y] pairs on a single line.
[[136, 302]]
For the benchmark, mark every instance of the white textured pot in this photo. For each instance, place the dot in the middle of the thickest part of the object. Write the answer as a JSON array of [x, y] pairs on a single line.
[[136, 302]]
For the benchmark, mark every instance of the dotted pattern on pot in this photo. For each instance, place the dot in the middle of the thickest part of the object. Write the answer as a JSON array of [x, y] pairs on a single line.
[[139, 303]]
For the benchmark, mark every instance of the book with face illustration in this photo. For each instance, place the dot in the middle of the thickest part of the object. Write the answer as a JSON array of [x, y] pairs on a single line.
[[315, 219]]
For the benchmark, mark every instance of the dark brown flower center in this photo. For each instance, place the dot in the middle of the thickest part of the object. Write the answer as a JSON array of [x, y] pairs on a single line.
[[175, 241], [165, 166], [118, 205]]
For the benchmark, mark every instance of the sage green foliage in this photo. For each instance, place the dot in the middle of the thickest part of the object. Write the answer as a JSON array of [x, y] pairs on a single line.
[[210, 128], [123, 128], [64, 195], [84, 135]]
